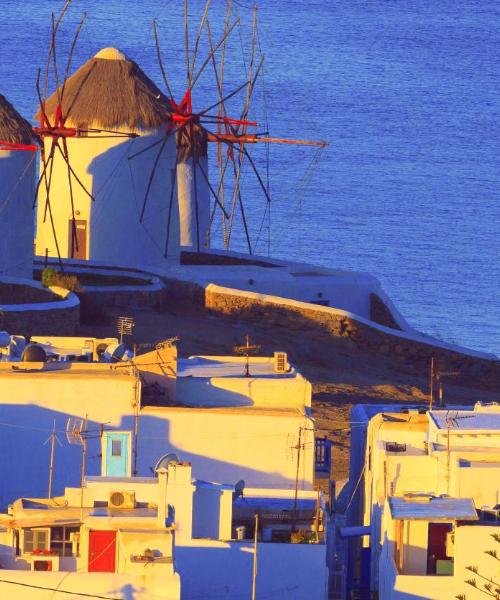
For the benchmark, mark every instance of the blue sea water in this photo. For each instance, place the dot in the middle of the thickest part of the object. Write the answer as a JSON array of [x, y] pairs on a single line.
[[406, 92]]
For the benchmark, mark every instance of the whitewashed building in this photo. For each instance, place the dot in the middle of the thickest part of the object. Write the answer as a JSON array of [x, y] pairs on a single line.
[[17, 189], [168, 536], [206, 411], [431, 500]]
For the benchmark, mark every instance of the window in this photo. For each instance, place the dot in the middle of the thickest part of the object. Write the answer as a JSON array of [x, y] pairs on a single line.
[[36, 539], [61, 540], [116, 448]]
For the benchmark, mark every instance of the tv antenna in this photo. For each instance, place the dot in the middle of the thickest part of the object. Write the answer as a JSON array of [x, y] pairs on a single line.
[[436, 377], [247, 350], [451, 421], [125, 326], [53, 439]]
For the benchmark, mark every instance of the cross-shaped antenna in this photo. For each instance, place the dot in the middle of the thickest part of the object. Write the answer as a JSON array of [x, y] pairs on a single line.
[[246, 351]]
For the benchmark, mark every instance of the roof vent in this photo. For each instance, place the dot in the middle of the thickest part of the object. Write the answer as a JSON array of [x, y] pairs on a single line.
[[395, 447]]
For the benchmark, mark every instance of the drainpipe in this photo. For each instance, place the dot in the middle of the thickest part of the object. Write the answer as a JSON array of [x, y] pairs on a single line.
[[162, 497]]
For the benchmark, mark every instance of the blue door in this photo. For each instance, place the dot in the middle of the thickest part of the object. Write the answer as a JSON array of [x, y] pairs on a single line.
[[117, 452]]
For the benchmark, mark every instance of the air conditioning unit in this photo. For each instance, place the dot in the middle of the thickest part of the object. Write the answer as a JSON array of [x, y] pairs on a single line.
[[280, 362], [121, 499]]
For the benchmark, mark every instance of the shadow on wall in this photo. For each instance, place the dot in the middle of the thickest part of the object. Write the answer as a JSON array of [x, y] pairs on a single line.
[[154, 441], [224, 571], [25, 453], [120, 181]]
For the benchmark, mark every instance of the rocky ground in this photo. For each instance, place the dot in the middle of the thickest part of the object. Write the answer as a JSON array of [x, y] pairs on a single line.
[[341, 373]]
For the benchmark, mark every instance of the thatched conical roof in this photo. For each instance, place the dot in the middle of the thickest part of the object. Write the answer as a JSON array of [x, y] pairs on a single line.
[[13, 127], [110, 92]]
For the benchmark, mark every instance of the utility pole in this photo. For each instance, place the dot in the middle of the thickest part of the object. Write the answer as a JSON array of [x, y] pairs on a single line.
[[254, 574], [53, 439], [84, 451], [299, 446], [431, 384]]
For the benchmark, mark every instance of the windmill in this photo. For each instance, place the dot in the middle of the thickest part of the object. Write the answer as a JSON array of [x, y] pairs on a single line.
[[57, 132], [17, 174], [194, 130]]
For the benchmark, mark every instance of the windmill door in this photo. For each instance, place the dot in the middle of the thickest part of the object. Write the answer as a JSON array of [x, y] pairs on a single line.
[[117, 449], [78, 239], [102, 551]]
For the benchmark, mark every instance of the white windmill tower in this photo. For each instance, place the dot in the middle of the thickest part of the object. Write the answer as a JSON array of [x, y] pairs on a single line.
[[89, 194], [17, 184]]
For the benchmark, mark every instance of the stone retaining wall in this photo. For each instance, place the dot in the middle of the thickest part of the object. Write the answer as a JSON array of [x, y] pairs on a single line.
[[325, 322], [145, 298], [59, 321]]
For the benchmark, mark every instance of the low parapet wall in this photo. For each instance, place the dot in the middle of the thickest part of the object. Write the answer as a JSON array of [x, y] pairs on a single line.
[[412, 348], [58, 316]]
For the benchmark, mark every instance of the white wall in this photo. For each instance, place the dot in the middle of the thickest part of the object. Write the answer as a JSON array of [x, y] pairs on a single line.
[[226, 445], [115, 235], [17, 189], [219, 570], [31, 402], [194, 203], [111, 585]]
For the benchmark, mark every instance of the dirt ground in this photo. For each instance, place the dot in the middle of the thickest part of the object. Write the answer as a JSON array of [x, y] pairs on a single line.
[[341, 373]]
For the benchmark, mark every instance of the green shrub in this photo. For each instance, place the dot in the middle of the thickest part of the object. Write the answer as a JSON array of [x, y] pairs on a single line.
[[48, 276]]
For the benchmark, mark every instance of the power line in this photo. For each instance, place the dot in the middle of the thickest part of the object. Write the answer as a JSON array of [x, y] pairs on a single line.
[[50, 589]]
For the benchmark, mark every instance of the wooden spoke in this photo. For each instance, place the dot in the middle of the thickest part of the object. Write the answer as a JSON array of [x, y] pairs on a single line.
[[77, 179], [162, 143], [146, 149], [70, 184], [198, 37], [209, 57], [160, 61], [259, 178], [54, 61], [71, 52], [173, 181], [48, 181], [210, 187], [186, 42], [40, 98], [55, 27], [223, 100]]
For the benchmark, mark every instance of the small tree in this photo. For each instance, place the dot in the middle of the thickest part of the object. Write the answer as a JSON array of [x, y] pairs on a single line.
[[489, 586]]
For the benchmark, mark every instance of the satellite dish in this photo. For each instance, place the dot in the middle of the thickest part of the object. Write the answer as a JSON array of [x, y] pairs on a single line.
[[238, 489], [4, 339], [34, 353], [164, 461]]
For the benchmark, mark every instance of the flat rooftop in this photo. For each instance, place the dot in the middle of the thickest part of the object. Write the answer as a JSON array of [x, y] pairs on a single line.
[[466, 420], [230, 366]]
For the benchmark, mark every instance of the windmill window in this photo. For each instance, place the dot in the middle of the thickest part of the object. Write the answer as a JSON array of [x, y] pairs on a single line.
[[36, 539], [116, 448]]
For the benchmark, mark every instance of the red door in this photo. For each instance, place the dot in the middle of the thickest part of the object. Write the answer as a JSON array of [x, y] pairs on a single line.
[[436, 548], [78, 229], [102, 551]]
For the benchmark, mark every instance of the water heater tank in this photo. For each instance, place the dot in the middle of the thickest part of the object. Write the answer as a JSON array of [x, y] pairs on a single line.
[[34, 353]]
